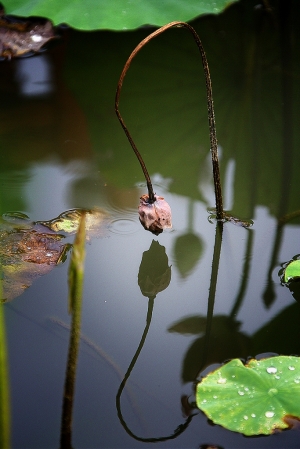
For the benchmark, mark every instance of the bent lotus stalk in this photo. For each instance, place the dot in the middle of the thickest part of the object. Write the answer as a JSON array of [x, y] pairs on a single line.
[[158, 225]]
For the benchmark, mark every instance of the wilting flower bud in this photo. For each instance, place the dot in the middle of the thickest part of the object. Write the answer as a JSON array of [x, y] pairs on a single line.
[[157, 216]]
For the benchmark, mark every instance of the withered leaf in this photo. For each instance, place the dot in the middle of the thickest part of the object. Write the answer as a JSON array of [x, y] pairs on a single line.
[[68, 222], [20, 36], [25, 256], [31, 249]]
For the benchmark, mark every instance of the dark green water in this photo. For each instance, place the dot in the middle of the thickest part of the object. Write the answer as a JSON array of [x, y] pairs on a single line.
[[62, 147]]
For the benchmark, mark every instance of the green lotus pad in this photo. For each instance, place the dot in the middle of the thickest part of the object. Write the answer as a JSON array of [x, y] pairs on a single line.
[[115, 14], [252, 399], [292, 271]]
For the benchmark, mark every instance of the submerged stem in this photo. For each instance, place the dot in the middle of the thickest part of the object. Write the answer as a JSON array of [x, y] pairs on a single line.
[[210, 108]]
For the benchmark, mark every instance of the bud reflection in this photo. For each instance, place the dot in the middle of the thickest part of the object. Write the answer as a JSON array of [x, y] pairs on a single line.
[[154, 273]]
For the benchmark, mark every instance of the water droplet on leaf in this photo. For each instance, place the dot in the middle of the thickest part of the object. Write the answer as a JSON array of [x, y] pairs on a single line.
[[272, 391], [222, 380]]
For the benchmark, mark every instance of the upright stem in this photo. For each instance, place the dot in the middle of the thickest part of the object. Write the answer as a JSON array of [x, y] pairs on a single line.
[[210, 108]]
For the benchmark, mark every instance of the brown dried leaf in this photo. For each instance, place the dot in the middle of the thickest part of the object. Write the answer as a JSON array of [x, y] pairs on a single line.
[[24, 257], [31, 249]]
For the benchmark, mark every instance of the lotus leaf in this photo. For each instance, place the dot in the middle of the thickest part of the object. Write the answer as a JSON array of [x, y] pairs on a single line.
[[292, 271], [116, 14], [255, 398]]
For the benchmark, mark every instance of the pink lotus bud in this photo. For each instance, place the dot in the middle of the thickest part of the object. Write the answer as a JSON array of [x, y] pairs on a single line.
[[155, 217]]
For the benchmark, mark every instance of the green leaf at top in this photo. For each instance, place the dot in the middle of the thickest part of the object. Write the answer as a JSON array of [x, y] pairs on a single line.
[[115, 14], [252, 399], [292, 271]]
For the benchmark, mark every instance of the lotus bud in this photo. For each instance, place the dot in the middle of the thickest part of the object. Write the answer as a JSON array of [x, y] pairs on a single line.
[[156, 216]]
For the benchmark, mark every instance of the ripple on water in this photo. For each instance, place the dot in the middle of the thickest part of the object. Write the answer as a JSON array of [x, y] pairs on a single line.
[[123, 226]]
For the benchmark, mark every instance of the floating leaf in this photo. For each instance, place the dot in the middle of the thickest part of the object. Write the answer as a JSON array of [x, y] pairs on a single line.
[[255, 398], [24, 256], [292, 271], [68, 222], [116, 14], [31, 249], [20, 37]]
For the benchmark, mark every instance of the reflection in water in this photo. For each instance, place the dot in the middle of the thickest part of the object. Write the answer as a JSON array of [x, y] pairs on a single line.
[[5, 407], [294, 288], [211, 346], [188, 247], [77, 122], [34, 76], [213, 286], [224, 341], [154, 277], [154, 273], [245, 277], [123, 226], [76, 273]]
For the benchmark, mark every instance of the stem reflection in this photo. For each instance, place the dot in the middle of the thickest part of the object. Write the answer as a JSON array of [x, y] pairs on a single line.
[[76, 273], [154, 276]]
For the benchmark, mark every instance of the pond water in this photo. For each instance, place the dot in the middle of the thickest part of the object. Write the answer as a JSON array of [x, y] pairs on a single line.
[[63, 148]]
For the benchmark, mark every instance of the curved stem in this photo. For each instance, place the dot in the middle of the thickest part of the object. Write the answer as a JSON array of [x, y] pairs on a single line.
[[210, 108], [181, 427]]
